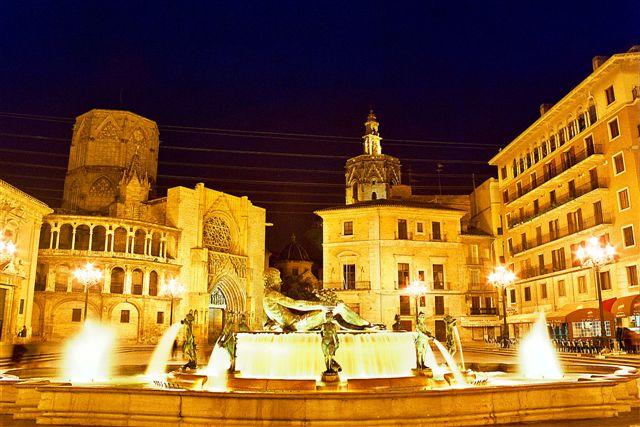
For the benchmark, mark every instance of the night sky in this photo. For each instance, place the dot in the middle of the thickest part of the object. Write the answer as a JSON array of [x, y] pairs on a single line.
[[277, 92]]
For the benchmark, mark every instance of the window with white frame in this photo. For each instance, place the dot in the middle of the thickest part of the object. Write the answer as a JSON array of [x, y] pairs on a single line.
[[623, 199], [614, 129], [618, 163], [628, 236]]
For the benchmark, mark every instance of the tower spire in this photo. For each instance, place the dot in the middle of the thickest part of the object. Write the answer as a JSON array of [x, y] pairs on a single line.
[[372, 137]]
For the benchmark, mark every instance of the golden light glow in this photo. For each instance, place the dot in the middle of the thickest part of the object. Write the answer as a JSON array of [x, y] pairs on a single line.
[[87, 357], [502, 277], [88, 275], [538, 358], [173, 289], [595, 254], [416, 288]]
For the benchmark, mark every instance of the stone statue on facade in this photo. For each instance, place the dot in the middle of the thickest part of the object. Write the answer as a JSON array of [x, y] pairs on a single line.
[[189, 349], [290, 315], [450, 344], [228, 340], [423, 337], [330, 344]]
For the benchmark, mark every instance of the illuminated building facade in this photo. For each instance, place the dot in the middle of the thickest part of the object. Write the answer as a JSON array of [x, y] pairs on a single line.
[[210, 241], [384, 238], [20, 219], [575, 173]]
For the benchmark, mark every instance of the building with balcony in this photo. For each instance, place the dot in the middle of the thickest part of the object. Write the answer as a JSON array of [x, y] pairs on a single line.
[[20, 219], [384, 238], [211, 242], [575, 173]]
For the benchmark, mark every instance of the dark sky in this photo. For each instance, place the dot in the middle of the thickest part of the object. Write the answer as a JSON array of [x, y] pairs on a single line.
[[459, 78]]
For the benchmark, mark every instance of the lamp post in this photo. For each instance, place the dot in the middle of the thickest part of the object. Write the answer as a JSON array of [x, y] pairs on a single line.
[[88, 276], [595, 255], [501, 277], [416, 289], [173, 289]]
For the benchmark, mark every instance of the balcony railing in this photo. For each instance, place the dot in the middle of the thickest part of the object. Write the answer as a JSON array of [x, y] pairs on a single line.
[[483, 311], [549, 174], [101, 254], [562, 200], [344, 286], [430, 286], [562, 232], [476, 261], [480, 287]]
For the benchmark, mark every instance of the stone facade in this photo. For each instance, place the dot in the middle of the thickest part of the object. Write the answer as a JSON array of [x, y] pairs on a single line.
[[211, 242], [572, 174], [375, 247], [20, 219]]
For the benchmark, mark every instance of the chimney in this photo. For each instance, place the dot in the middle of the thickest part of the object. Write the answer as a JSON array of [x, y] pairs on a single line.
[[597, 61], [544, 107]]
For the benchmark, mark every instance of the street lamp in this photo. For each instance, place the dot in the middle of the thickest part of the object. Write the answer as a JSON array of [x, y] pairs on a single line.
[[595, 255], [173, 289], [416, 289], [7, 252], [88, 276], [501, 277]]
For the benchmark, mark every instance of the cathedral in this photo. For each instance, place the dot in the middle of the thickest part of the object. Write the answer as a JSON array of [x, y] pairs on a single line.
[[211, 242]]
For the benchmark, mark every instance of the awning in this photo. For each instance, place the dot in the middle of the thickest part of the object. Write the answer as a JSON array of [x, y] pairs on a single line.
[[523, 318], [471, 322], [588, 314], [626, 306], [560, 315]]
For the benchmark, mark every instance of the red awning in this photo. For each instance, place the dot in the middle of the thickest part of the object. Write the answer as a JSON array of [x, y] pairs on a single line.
[[588, 314], [626, 306], [608, 303]]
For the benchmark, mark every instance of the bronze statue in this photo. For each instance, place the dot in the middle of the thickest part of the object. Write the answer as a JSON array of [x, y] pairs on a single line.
[[242, 323], [423, 336], [290, 315], [397, 327], [228, 340], [330, 344], [189, 345], [450, 344]]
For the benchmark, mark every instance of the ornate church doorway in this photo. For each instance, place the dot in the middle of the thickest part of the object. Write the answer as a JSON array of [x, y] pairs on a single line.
[[217, 309]]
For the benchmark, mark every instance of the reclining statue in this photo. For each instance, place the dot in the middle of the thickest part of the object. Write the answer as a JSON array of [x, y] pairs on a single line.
[[290, 315]]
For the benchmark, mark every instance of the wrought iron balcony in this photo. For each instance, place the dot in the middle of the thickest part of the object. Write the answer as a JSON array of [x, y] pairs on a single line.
[[483, 311]]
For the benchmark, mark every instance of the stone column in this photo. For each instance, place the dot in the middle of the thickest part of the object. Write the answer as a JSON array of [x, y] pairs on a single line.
[[73, 238], [145, 282], [91, 236], [127, 281]]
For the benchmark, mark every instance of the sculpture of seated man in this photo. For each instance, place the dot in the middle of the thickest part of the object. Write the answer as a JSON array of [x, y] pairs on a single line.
[[290, 315]]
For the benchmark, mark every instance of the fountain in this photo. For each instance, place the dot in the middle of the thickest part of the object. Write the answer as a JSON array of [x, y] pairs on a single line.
[[536, 355], [88, 355], [278, 380]]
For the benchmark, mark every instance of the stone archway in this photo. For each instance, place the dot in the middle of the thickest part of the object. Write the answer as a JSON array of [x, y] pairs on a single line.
[[224, 296]]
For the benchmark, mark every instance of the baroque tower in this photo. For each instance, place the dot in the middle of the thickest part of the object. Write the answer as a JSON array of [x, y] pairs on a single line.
[[113, 164], [371, 175]]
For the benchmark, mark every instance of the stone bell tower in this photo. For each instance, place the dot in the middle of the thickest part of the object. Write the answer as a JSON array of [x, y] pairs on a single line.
[[113, 164], [371, 175]]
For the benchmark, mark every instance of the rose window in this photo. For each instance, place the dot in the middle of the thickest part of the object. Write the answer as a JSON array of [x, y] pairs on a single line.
[[216, 235]]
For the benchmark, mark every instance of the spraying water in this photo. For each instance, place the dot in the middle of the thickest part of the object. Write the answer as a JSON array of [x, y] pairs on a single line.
[[450, 362], [87, 357], [459, 344], [162, 352], [537, 356]]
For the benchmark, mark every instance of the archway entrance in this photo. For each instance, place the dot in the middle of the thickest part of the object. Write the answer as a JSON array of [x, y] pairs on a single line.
[[217, 308]]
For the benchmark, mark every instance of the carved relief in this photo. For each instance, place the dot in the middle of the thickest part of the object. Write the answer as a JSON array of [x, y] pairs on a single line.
[[216, 234], [220, 263]]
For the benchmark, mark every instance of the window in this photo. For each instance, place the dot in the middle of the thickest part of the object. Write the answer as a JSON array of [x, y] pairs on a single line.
[[402, 229], [420, 227], [541, 264], [543, 290], [572, 189], [628, 236], [618, 163], [523, 241], [536, 207], [597, 212], [403, 275], [558, 259], [160, 317], [593, 116], [435, 231], [539, 235], [347, 228], [512, 295], [405, 305], [474, 276], [76, 315], [124, 316], [605, 280], [136, 282], [593, 178], [505, 196], [582, 284], [503, 172], [510, 245], [632, 275], [421, 275], [614, 130], [527, 293], [610, 95], [623, 199], [438, 276], [534, 180], [439, 304], [562, 289], [519, 188], [553, 229], [349, 276], [474, 253], [590, 147], [552, 198], [21, 309]]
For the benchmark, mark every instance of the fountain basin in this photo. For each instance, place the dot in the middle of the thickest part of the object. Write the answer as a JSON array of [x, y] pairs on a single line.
[[607, 391]]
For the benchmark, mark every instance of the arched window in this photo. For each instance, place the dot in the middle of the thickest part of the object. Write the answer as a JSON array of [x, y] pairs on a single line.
[[136, 282], [374, 196], [99, 238], [216, 234], [117, 281], [593, 116], [120, 240], [155, 244], [139, 241], [66, 234], [100, 195], [45, 236], [153, 284], [82, 238]]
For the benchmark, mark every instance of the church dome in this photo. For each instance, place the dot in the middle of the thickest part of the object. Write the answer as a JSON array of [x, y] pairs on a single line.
[[294, 252]]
